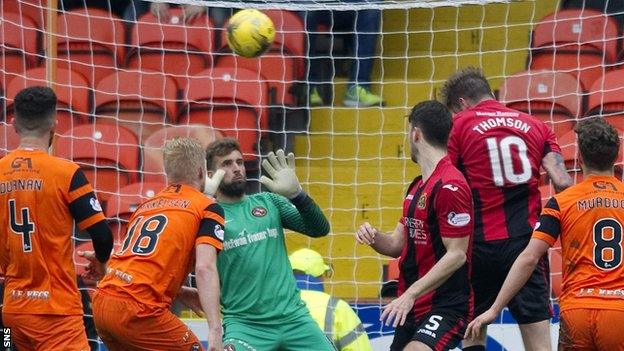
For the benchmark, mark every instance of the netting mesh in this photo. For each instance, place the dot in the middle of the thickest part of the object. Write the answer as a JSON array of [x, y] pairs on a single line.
[[127, 81]]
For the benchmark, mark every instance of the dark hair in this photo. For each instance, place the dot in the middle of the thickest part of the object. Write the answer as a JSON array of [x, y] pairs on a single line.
[[435, 121], [468, 83], [35, 108], [598, 142], [220, 148]]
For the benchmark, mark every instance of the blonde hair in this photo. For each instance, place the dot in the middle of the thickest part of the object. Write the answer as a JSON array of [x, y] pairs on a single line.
[[182, 157]]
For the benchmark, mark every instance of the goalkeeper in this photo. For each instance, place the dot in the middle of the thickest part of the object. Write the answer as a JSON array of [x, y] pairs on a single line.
[[262, 308]]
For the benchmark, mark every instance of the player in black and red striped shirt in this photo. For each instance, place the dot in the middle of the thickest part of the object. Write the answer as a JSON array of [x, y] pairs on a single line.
[[433, 239], [500, 151]]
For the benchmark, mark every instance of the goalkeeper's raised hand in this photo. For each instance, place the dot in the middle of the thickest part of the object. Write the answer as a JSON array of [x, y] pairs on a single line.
[[281, 169], [212, 184]]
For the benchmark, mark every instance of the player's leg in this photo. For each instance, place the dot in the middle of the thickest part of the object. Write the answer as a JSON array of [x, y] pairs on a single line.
[[304, 334], [437, 330], [576, 330], [239, 335], [608, 337], [417, 346], [403, 335], [47, 332], [532, 310], [488, 275]]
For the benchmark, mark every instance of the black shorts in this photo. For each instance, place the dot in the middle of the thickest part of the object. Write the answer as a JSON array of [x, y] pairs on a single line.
[[440, 330], [491, 261]]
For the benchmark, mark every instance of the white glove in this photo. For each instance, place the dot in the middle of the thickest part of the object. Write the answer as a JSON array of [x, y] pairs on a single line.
[[282, 171], [212, 184]]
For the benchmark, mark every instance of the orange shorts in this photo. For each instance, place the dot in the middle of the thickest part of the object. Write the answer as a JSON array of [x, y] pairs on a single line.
[[124, 324], [591, 329], [47, 332]]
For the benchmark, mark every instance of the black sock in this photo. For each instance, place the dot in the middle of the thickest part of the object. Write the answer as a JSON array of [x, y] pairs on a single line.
[[474, 348]]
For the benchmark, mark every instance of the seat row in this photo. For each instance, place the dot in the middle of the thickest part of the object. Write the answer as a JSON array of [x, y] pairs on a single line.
[[92, 42]]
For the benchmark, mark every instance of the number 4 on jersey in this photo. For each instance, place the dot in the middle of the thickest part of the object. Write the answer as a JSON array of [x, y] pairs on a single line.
[[25, 227]]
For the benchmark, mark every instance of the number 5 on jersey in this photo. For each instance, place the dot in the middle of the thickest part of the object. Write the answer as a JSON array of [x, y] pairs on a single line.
[[146, 238]]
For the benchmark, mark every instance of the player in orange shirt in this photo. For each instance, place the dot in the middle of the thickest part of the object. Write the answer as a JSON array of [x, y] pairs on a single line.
[[167, 235], [588, 218], [41, 197]]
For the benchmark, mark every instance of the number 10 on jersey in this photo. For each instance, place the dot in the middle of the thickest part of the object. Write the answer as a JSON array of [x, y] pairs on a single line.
[[502, 155]]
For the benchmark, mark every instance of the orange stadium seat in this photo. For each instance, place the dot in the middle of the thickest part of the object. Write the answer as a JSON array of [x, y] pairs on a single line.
[[283, 65], [107, 154], [18, 40], [90, 41], [580, 42], [177, 49], [153, 169], [72, 92], [33, 9], [9, 140], [555, 98], [606, 98], [140, 101], [122, 204], [230, 100]]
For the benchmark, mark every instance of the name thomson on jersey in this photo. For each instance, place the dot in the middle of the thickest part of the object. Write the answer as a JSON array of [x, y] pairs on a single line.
[[501, 119]]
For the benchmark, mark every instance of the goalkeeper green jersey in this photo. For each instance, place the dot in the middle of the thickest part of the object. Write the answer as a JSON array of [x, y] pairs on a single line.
[[257, 282]]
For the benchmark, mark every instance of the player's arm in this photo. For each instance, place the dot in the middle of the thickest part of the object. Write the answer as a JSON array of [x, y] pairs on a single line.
[[390, 244], [300, 213], [87, 213], [544, 236], [555, 167], [207, 245]]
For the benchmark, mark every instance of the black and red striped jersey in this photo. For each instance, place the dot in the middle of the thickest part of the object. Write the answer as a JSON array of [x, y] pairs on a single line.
[[500, 151], [439, 207]]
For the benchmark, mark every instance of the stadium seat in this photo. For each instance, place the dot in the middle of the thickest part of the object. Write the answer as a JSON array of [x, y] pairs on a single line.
[[107, 154], [153, 169], [174, 48], [9, 140], [580, 42], [231, 100], [72, 92], [90, 41], [283, 65], [33, 9], [18, 40], [606, 98], [122, 204], [555, 98], [140, 101]]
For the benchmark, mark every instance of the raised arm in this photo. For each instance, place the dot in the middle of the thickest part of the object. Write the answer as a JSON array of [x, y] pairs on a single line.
[[555, 167]]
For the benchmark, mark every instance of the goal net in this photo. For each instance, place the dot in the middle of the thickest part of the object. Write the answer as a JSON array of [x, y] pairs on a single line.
[[127, 81]]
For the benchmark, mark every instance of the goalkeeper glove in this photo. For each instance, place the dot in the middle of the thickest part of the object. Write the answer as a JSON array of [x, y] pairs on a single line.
[[212, 184], [283, 179]]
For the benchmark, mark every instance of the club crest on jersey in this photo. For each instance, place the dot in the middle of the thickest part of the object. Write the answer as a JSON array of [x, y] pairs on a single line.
[[422, 201], [218, 231], [259, 211], [95, 204]]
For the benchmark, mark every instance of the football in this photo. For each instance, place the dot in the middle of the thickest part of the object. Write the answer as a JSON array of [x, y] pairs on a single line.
[[250, 33]]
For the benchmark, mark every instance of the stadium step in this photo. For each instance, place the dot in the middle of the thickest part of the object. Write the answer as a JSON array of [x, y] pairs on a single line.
[[345, 120]]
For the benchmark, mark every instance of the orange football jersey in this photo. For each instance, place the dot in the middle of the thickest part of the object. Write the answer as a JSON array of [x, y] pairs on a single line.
[[589, 218], [41, 196], [158, 251]]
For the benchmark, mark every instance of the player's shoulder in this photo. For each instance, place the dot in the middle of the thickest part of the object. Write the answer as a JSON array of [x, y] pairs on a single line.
[[449, 174]]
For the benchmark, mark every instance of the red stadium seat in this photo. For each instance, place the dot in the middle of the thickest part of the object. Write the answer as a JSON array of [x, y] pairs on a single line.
[[230, 100], [9, 140], [140, 101], [90, 41], [555, 98], [33, 9], [393, 269], [153, 168], [121, 205], [72, 92], [580, 42], [107, 154], [18, 41], [174, 48], [606, 98], [283, 65]]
